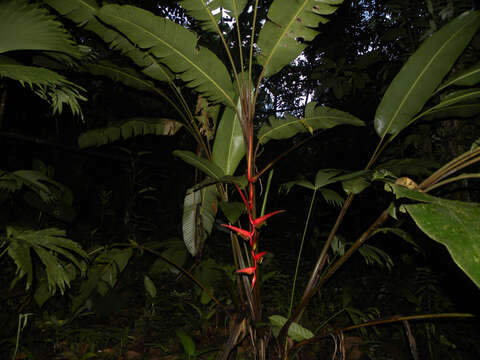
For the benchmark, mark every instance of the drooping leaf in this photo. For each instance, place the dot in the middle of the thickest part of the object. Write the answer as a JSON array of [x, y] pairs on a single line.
[[422, 73], [289, 25], [210, 13], [49, 85], [229, 144], [452, 223], [30, 27], [296, 332], [208, 167], [82, 12], [468, 77], [176, 252], [332, 197], [127, 129], [315, 118], [199, 210], [174, 46]]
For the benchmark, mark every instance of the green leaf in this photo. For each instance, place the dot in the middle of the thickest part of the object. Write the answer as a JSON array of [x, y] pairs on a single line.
[[464, 111], [356, 185], [150, 286], [49, 244], [409, 166], [289, 25], [30, 27], [229, 145], [468, 77], [456, 97], [232, 210], [47, 84], [187, 342], [208, 167], [332, 197], [174, 46], [424, 70], [315, 118], [199, 210], [204, 11], [296, 332], [176, 252], [82, 12], [452, 223], [127, 129]]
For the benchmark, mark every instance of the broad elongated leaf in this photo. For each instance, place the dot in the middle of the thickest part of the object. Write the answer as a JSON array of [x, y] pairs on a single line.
[[423, 72], [26, 26], [229, 145], [209, 13], [296, 332], [199, 210], [464, 111], [409, 166], [208, 167], [174, 46], [289, 25], [468, 77], [82, 12], [455, 97], [127, 129], [454, 224], [315, 118]]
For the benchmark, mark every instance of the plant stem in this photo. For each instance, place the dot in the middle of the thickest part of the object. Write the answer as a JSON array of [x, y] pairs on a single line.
[[300, 251]]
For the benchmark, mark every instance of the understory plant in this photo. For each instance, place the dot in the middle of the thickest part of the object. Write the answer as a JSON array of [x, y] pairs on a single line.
[[223, 122]]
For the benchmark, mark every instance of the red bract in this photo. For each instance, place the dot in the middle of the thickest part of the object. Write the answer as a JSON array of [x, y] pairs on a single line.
[[261, 220], [258, 256], [248, 271], [243, 233]]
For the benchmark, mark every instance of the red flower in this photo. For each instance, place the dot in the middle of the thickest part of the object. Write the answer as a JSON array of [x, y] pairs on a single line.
[[261, 220]]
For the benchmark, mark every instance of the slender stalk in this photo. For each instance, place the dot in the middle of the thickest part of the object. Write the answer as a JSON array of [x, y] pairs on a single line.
[[456, 178], [300, 251], [267, 190], [389, 320]]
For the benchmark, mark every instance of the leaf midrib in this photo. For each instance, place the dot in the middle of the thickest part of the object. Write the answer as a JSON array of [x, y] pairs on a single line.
[[180, 54]]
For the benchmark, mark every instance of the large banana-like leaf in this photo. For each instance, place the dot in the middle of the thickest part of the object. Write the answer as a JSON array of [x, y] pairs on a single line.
[[174, 46], [423, 72], [452, 223], [229, 145], [127, 129], [315, 118], [464, 111], [209, 168], [209, 13], [26, 26], [290, 23], [199, 210], [82, 12], [49, 85]]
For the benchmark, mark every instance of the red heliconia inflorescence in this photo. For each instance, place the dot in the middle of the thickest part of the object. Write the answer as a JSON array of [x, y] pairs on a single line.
[[251, 235]]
